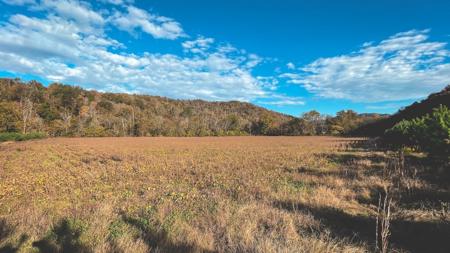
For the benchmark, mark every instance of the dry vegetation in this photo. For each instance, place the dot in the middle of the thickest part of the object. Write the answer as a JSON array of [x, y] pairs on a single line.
[[210, 194]]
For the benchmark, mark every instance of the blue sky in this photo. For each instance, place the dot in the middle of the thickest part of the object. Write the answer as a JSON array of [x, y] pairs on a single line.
[[288, 56]]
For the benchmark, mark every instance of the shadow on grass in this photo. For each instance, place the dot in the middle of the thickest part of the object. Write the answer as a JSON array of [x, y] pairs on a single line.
[[425, 198], [418, 167], [431, 169], [413, 236], [347, 173], [64, 237], [412, 199], [353, 158], [5, 231], [433, 172], [437, 192], [365, 144], [350, 166], [157, 237]]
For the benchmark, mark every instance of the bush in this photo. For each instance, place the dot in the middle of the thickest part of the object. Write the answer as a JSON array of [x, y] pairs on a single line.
[[9, 117], [430, 133], [95, 131], [21, 137]]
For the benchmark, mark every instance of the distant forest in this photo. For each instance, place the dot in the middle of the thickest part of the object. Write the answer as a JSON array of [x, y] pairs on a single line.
[[64, 110]]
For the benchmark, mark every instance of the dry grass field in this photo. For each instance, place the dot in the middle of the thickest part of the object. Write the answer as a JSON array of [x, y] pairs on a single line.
[[211, 194]]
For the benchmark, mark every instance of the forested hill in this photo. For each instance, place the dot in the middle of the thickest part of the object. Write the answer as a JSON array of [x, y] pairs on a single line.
[[415, 110], [62, 110]]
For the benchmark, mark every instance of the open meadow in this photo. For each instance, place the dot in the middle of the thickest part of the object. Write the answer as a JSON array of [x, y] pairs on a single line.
[[212, 194]]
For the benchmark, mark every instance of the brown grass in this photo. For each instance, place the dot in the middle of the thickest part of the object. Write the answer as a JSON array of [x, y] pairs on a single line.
[[210, 194]]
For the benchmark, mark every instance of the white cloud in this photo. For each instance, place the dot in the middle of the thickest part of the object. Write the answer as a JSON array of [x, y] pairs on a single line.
[[253, 61], [199, 46], [72, 9], [404, 66], [158, 26], [290, 65], [19, 2], [40, 38], [281, 100], [132, 19], [118, 2], [386, 106]]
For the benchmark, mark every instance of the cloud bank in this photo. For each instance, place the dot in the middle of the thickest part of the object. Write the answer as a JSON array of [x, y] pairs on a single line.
[[69, 41], [405, 66]]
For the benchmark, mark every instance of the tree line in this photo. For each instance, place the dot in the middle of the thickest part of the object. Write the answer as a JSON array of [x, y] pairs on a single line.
[[64, 110]]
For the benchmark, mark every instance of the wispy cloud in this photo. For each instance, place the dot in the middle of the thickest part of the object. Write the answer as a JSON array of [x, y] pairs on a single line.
[[281, 100], [118, 2], [290, 65], [81, 12], [19, 2], [198, 46], [405, 66], [159, 27], [386, 106]]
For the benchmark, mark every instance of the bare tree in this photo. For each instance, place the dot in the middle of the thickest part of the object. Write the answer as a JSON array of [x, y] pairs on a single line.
[[124, 126], [132, 122], [66, 117], [383, 224], [27, 112]]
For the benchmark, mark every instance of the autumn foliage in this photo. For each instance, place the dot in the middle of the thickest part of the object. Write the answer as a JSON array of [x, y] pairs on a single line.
[[63, 110]]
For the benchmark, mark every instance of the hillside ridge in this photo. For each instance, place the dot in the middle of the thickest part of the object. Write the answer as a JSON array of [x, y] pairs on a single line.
[[417, 109], [70, 110]]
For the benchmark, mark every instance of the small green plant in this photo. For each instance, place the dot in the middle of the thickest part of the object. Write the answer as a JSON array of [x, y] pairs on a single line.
[[116, 229], [297, 185], [293, 186]]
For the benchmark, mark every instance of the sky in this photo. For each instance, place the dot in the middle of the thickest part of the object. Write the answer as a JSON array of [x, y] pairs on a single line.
[[285, 55]]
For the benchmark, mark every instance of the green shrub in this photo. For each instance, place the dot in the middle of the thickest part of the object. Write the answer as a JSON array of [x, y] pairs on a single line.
[[430, 133], [21, 137]]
